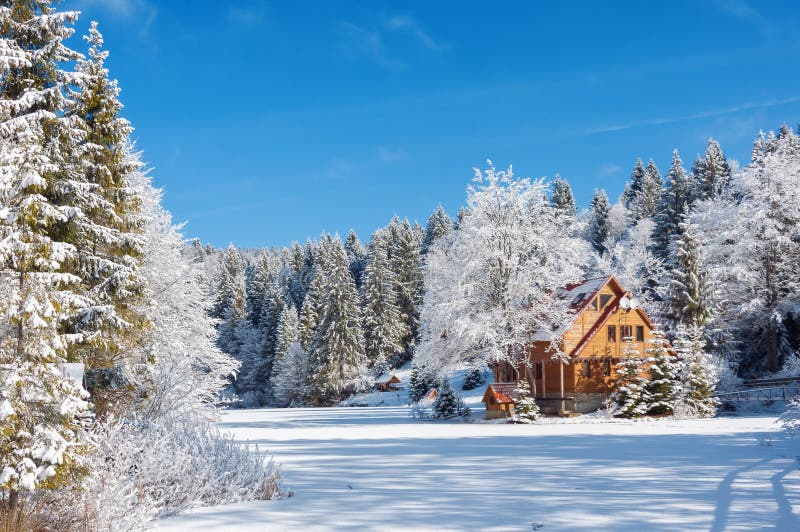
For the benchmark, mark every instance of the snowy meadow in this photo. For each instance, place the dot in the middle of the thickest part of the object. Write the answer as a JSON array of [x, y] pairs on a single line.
[[373, 469]]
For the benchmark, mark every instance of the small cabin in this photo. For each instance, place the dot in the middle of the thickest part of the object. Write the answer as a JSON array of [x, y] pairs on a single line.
[[499, 399], [607, 325], [432, 395], [388, 385]]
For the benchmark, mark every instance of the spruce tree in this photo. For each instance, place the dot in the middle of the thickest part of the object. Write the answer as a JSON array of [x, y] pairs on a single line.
[[674, 205], [662, 386], [645, 192], [384, 329], [422, 381], [473, 379], [439, 225], [630, 397], [688, 298], [563, 199], [357, 256], [462, 213], [448, 402], [288, 330], [599, 221], [40, 408], [404, 259], [713, 174], [698, 374], [525, 408], [337, 349], [310, 313], [290, 384]]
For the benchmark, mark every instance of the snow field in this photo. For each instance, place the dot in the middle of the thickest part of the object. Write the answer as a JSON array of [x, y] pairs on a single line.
[[374, 469]]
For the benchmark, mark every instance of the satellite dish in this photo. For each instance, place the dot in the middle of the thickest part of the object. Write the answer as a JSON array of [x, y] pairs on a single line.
[[634, 303], [624, 302]]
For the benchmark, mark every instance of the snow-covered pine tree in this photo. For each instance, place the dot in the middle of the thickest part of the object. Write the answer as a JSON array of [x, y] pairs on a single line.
[[384, 329], [439, 225], [266, 272], [448, 402], [422, 381], [473, 378], [291, 379], [674, 205], [462, 213], [357, 256], [635, 186], [790, 418], [599, 222], [630, 399], [645, 192], [310, 313], [40, 408], [229, 282], [563, 199], [713, 175], [404, 259], [525, 408], [337, 350], [698, 374], [288, 330], [689, 295], [662, 387], [490, 283]]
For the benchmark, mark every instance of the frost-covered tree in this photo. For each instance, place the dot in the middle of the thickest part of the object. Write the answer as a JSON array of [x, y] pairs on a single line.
[[290, 382], [698, 374], [337, 349], [563, 199], [712, 174], [357, 256], [288, 330], [404, 259], [662, 387], [448, 402], [790, 418], [231, 295], [689, 295], [525, 408], [473, 378], [632, 261], [439, 225], [645, 192], [384, 328], [673, 207], [599, 221], [630, 398], [421, 382], [310, 313], [265, 275], [489, 284]]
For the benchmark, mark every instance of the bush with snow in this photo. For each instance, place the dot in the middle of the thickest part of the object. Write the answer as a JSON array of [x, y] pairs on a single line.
[[448, 402], [525, 408]]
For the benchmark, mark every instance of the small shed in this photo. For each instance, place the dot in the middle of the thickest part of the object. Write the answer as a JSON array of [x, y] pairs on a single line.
[[389, 384], [432, 395], [500, 398]]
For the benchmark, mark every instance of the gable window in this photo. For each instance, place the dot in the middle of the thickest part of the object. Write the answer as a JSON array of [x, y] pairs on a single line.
[[604, 299], [607, 367], [587, 369], [639, 333], [612, 333], [594, 304], [626, 331]]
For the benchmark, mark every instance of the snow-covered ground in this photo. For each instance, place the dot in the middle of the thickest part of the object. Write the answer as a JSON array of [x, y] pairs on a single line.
[[373, 468]]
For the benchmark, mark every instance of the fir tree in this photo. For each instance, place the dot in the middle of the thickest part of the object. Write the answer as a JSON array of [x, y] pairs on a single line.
[[599, 221], [290, 383], [698, 375], [688, 298], [422, 381], [462, 213], [662, 387], [525, 408], [404, 259], [288, 330], [630, 397], [473, 379], [310, 313], [674, 205], [713, 174], [448, 402], [384, 329], [562, 199], [439, 225], [357, 256], [645, 192]]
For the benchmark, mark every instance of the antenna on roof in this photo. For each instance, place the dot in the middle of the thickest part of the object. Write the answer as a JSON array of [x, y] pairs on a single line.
[[624, 302], [634, 303]]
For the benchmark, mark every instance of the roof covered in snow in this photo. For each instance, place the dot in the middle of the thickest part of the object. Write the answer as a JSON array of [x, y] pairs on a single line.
[[504, 392]]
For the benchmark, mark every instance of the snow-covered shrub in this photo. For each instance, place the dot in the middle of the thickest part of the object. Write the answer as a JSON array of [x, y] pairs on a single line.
[[630, 396], [473, 379], [448, 402], [144, 470], [791, 366], [525, 408], [418, 411], [790, 419]]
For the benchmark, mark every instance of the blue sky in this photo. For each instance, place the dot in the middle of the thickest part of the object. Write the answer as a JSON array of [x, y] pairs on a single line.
[[268, 122]]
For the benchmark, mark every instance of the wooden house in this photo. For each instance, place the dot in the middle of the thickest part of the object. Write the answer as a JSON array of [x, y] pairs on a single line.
[[389, 384], [499, 399], [606, 318]]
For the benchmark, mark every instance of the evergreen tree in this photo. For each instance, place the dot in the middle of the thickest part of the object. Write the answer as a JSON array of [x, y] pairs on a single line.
[[337, 350], [662, 387], [404, 259], [645, 192], [384, 329], [264, 276], [439, 225], [422, 381], [688, 298], [40, 407], [473, 379], [357, 256], [599, 221], [698, 374], [635, 186], [525, 408], [562, 199], [713, 174], [310, 313], [462, 213], [674, 205], [630, 397], [290, 383], [448, 402], [288, 330]]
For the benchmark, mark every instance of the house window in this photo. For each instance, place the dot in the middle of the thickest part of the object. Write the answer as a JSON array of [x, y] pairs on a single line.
[[604, 299], [607, 367], [579, 298], [587, 369], [626, 331], [639, 333], [538, 367], [594, 304], [612, 333]]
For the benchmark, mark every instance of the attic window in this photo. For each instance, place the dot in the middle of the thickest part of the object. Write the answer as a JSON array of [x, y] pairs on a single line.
[[604, 299], [579, 298], [594, 304]]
